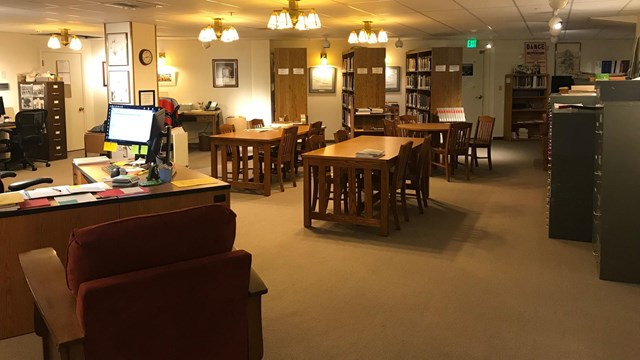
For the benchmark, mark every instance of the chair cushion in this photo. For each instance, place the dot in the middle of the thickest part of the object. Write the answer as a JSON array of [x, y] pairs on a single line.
[[194, 309], [147, 241]]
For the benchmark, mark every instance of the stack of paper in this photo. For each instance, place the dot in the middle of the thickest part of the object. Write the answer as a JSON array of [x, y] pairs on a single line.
[[369, 153], [377, 110], [10, 201], [91, 160]]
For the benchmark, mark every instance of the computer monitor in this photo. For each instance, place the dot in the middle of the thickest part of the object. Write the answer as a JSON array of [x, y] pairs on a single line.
[[136, 125], [2, 110]]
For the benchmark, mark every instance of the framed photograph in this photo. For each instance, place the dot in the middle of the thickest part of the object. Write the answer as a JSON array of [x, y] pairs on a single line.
[[567, 58], [167, 78], [104, 73], [225, 73], [119, 87], [322, 79], [147, 97], [392, 79], [117, 49]]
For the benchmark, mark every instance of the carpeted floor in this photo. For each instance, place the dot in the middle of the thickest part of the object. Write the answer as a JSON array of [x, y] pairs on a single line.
[[475, 277]]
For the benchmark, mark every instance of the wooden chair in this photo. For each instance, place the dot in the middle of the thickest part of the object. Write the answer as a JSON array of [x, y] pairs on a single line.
[[255, 123], [285, 157], [397, 180], [418, 173], [406, 119], [390, 128], [482, 139], [455, 145], [340, 135]]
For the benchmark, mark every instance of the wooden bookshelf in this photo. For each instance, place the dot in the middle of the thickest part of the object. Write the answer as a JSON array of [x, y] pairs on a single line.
[[433, 80], [363, 87], [290, 83], [525, 103]]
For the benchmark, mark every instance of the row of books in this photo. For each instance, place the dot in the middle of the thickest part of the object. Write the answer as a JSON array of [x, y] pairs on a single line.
[[418, 100], [347, 100], [347, 64], [418, 81], [347, 82], [534, 81], [423, 63], [369, 110], [422, 116], [451, 114]]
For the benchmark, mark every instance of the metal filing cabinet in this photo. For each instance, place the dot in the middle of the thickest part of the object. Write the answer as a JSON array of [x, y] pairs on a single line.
[[616, 189]]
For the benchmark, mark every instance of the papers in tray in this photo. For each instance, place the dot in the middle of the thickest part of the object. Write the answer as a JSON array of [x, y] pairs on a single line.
[[64, 190], [91, 160], [369, 153], [74, 199], [10, 198]]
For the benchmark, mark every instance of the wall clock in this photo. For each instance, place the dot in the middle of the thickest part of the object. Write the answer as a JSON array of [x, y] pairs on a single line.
[[146, 56]]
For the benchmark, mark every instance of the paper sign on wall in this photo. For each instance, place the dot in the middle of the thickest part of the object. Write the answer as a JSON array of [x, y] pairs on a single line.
[[298, 71], [454, 68], [377, 70], [362, 71], [440, 68], [283, 71]]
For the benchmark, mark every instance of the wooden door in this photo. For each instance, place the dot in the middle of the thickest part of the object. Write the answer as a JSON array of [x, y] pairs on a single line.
[[290, 83]]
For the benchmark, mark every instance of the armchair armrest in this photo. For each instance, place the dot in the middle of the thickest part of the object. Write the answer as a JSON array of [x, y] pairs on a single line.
[[55, 302], [256, 285]]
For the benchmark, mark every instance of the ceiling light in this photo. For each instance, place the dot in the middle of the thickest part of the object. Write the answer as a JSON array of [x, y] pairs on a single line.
[[294, 17], [558, 4], [368, 36], [56, 41], [162, 58], [399, 43], [555, 22], [217, 32], [489, 45], [326, 44], [323, 57]]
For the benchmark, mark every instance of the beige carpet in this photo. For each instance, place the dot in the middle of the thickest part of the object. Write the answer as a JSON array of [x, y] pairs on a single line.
[[475, 277]]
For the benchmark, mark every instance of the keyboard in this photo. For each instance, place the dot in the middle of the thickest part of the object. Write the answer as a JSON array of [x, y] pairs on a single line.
[[109, 168]]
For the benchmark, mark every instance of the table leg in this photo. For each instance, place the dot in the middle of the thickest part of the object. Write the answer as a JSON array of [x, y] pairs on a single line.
[[214, 160], [307, 192], [266, 148], [384, 201]]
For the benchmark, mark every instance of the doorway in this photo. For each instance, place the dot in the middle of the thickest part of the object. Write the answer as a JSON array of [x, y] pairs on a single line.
[[472, 83], [71, 66]]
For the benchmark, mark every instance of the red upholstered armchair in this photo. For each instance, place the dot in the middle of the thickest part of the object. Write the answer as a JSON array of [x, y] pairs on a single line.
[[161, 286]]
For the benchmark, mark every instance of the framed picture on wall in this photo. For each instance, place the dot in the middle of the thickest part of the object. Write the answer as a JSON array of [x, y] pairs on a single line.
[[567, 58], [119, 87], [392, 79], [117, 49], [322, 79], [225, 73], [167, 78], [147, 97]]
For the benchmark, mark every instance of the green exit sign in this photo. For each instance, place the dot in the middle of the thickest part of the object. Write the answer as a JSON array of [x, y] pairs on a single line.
[[472, 43]]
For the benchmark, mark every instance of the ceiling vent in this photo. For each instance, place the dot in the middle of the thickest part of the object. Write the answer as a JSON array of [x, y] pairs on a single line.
[[134, 4]]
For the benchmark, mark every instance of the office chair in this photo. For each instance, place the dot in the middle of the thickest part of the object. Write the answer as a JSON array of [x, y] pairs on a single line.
[[138, 288], [171, 107], [21, 185], [27, 137]]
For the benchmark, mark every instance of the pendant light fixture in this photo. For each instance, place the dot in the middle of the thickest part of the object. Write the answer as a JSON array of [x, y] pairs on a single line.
[[56, 41], [294, 17], [368, 36], [218, 31]]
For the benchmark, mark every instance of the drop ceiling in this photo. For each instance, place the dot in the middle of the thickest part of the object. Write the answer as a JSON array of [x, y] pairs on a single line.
[[419, 19]]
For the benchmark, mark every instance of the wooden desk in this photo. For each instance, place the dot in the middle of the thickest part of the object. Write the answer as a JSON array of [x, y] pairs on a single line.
[[211, 116], [257, 141], [423, 128], [341, 157], [31, 229]]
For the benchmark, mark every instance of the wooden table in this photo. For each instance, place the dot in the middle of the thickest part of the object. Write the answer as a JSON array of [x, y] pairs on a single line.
[[423, 128], [245, 143], [30, 229], [341, 158], [211, 116]]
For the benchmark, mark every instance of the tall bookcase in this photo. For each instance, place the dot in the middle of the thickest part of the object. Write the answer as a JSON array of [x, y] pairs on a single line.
[[363, 87], [290, 83], [433, 80], [48, 95], [525, 102]]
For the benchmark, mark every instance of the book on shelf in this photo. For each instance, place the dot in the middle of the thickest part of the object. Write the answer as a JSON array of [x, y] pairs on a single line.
[[363, 111], [377, 110], [451, 114], [370, 153]]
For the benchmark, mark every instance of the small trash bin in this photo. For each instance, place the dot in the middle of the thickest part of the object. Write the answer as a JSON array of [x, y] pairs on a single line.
[[203, 141]]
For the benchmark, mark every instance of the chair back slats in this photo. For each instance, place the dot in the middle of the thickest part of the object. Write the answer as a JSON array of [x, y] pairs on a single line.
[[341, 135], [226, 129], [315, 125], [316, 142], [400, 168], [484, 129], [256, 123], [287, 144], [459, 135], [390, 128], [407, 119]]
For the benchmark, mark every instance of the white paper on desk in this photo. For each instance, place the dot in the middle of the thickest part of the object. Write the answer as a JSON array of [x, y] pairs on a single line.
[[75, 199], [91, 160], [46, 192], [93, 187], [132, 190]]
